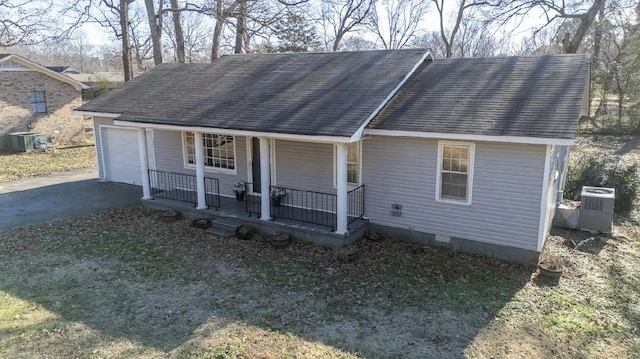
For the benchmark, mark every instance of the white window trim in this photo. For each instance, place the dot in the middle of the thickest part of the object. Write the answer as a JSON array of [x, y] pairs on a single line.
[[350, 185], [472, 155], [210, 169]]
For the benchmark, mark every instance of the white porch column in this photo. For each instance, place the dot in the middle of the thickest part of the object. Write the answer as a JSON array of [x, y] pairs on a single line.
[[199, 147], [144, 163], [341, 188], [265, 179]]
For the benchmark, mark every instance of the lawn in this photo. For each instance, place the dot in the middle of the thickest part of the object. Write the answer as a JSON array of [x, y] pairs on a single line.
[[21, 165], [122, 283]]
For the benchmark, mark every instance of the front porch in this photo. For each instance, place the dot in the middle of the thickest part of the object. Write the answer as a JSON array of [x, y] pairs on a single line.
[[307, 215]]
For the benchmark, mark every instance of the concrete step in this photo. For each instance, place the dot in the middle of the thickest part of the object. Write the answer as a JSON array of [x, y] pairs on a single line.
[[224, 227]]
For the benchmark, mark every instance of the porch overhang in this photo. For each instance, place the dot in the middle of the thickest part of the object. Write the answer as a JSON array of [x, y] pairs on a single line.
[[225, 131]]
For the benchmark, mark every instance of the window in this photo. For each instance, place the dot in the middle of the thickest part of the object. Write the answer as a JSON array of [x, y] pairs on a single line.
[[353, 163], [219, 151], [38, 102], [455, 172]]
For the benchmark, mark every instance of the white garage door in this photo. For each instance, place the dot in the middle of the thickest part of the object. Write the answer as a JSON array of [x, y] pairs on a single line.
[[122, 156]]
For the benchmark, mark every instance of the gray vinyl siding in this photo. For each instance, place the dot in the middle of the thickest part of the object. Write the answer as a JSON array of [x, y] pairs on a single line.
[[305, 165], [97, 122], [169, 158], [507, 189], [555, 182]]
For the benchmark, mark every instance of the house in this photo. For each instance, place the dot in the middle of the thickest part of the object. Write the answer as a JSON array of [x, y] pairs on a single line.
[[64, 69], [466, 153], [35, 98]]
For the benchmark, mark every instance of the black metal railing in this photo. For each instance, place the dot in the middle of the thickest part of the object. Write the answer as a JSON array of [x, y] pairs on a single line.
[[306, 206], [183, 187], [355, 203]]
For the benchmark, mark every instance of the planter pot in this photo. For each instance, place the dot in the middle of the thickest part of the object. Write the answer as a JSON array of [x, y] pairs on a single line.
[[280, 240], [240, 196], [170, 215], [548, 272], [276, 201]]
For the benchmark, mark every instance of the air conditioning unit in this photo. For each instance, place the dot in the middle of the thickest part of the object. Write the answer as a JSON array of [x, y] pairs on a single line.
[[27, 141], [596, 209]]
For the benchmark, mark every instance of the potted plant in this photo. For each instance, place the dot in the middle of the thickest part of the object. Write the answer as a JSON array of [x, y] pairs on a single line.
[[276, 196], [551, 266], [239, 189]]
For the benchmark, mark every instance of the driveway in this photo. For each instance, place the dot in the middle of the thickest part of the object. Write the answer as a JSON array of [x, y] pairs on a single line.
[[61, 195]]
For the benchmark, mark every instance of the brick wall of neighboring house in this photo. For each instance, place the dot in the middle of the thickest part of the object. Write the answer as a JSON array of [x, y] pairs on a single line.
[[16, 114]]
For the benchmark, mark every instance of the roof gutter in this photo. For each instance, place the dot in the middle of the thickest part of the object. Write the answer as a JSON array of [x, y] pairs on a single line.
[[471, 137], [358, 134]]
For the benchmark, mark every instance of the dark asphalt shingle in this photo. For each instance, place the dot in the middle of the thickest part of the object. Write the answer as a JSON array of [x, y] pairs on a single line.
[[297, 93], [537, 96]]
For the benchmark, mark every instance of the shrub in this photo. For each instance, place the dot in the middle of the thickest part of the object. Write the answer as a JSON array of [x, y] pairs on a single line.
[[601, 171]]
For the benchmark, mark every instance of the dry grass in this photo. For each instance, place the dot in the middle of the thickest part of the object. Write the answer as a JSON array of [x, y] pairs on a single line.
[[122, 283], [21, 165]]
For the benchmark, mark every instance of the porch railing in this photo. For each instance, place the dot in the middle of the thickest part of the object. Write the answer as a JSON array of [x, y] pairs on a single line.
[[183, 187], [307, 206]]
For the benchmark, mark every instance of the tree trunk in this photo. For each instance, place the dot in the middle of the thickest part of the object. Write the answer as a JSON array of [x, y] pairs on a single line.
[[126, 47], [177, 24], [572, 46], [217, 31], [241, 19], [155, 29]]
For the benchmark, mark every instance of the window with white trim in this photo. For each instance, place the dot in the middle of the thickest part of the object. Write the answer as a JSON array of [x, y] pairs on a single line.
[[219, 151], [455, 171], [38, 102], [353, 163]]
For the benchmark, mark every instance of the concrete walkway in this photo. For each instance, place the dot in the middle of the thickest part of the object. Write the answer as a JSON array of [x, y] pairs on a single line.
[[61, 195]]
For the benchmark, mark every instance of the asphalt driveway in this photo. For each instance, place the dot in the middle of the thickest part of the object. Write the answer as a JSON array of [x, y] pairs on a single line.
[[61, 195]]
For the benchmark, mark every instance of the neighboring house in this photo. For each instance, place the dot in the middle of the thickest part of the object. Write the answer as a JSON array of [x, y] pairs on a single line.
[[64, 69], [469, 153], [35, 98], [99, 82]]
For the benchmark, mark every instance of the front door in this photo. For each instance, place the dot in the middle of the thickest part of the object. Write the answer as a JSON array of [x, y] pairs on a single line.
[[255, 164]]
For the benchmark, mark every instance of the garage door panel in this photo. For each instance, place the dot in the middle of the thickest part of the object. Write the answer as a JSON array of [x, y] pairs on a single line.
[[122, 156]]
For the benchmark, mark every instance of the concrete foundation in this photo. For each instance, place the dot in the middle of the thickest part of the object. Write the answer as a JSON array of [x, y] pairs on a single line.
[[511, 254]]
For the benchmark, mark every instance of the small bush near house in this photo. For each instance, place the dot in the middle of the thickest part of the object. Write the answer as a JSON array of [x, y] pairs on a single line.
[[603, 171]]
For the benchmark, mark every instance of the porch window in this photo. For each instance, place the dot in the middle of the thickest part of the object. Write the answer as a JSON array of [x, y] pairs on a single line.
[[38, 102], [219, 151], [353, 164], [455, 172]]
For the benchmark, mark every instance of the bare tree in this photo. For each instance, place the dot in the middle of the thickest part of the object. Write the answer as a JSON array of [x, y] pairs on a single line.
[[449, 37], [177, 25], [582, 13], [397, 22], [154, 19], [24, 21], [344, 16]]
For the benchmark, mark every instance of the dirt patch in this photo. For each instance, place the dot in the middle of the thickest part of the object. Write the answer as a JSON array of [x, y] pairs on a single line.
[[23, 165]]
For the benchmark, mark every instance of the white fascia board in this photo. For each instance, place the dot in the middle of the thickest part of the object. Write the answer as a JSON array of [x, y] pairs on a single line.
[[358, 134], [466, 137], [97, 114], [43, 70], [223, 131]]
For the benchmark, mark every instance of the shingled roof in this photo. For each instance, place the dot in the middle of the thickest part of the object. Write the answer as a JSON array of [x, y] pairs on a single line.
[[330, 94], [538, 96]]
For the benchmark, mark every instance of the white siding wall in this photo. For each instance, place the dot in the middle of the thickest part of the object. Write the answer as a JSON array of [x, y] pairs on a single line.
[[305, 165], [556, 172], [507, 188], [169, 158]]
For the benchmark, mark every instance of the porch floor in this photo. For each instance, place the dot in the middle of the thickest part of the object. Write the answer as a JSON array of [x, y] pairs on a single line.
[[232, 208]]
